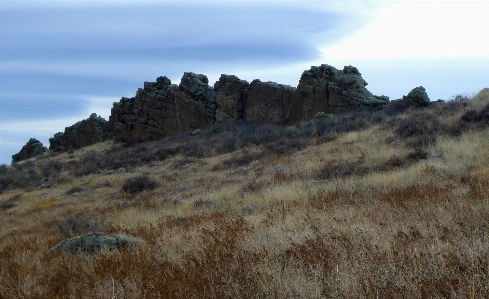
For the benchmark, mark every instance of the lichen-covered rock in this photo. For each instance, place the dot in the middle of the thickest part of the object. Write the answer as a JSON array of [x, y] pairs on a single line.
[[326, 89], [31, 149], [417, 97], [231, 98], [96, 242], [161, 108], [268, 102], [163, 80], [83, 133]]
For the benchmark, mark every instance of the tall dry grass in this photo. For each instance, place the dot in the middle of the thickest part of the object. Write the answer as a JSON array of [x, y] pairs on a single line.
[[359, 215]]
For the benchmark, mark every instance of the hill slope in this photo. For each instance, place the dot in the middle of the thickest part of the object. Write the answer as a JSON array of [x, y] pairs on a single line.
[[368, 204]]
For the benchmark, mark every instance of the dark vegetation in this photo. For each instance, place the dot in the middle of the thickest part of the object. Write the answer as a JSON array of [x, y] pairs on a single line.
[[415, 127], [138, 184], [81, 224], [342, 169]]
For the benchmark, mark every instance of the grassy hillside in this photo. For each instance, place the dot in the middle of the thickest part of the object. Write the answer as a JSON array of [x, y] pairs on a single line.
[[387, 204]]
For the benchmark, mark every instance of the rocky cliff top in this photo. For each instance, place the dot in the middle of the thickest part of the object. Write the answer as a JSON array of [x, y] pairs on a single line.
[[161, 108]]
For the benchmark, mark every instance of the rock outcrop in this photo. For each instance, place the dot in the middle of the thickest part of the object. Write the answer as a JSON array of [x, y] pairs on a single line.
[[269, 102], [326, 89], [161, 108], [83, 133], [31, 149], [231, 98]]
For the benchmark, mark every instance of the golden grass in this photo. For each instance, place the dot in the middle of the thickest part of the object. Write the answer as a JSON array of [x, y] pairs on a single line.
[[269, 229]]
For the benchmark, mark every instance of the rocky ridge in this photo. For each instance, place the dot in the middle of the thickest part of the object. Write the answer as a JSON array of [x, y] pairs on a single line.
[[161, 108], [83, 133], [31, 149]]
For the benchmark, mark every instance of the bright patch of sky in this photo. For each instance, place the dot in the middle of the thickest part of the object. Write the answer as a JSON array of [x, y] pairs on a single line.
[[62, 60], [440, 45]]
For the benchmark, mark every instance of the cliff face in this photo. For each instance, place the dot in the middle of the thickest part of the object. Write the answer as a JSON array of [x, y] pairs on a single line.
[[162, 108], [326, 89], [83, 133], [31, 149]]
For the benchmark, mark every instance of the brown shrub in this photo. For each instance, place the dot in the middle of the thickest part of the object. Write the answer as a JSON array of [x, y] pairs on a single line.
[[138, 184]]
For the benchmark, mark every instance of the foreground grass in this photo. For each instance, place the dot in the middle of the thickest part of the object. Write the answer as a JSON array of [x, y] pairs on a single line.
[[355, 215]]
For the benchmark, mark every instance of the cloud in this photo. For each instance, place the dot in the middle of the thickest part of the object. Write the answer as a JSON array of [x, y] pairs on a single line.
[[53, 84], [62, 60], [14, 135], [32, 107], [419, 29], [269, 32], [101, 105]]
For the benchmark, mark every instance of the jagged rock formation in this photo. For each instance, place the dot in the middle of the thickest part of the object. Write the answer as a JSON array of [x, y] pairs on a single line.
[[31, 149], [231, 98], [83, 133], [326, 89], [162, 108]]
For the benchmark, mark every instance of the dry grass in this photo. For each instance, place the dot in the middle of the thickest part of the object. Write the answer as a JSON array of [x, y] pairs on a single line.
[[356, 216]]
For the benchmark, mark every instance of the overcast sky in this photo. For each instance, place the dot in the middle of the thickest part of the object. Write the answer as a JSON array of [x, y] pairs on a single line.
[[61, 60]]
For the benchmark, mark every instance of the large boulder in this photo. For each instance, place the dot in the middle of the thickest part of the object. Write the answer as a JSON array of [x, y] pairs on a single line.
[[326, 89], [96, 242], [31, 149], [81, 134], [417, 97]]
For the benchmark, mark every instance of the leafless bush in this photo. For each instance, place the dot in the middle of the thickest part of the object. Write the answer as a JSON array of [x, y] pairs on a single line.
[[10, 202], [52, 167], [138, 184], [418, 129], [81, 224]]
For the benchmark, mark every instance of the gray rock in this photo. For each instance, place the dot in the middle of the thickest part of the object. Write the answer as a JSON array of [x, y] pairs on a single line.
[[231, 97], [163, 80], [96, 242], [417, 97], [81, 134], [32, 148], [160, 108], [268, 102], [326, 89]]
